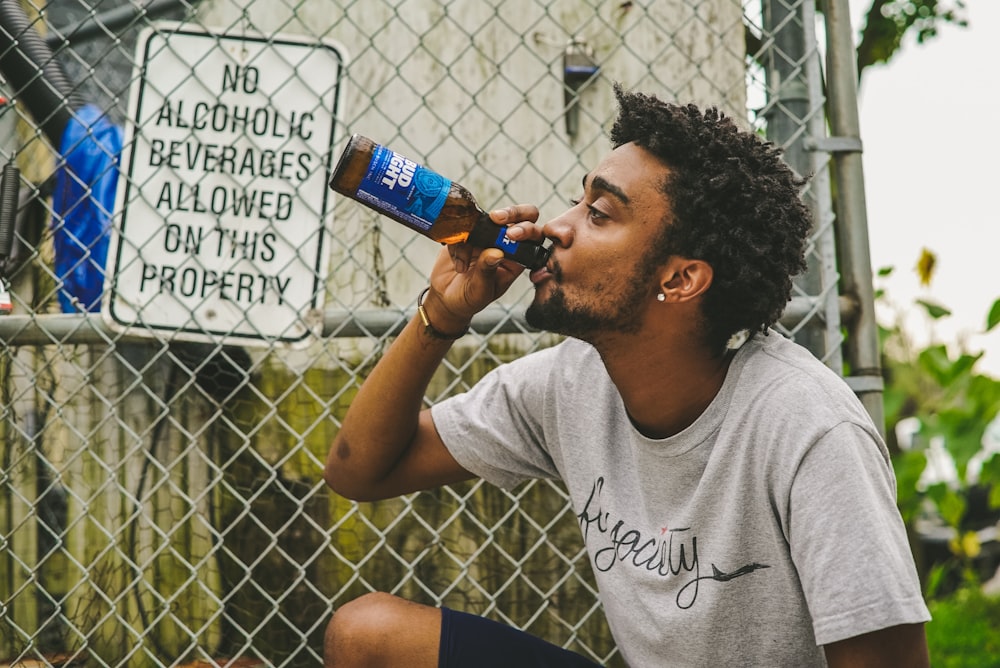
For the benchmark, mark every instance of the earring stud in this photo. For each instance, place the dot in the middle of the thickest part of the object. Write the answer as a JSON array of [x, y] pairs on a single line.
[[660, 297]]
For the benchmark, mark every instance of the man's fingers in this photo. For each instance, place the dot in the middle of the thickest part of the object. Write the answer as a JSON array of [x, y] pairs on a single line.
[[520, 220], [491, 259], [461, 256], [516, 213]]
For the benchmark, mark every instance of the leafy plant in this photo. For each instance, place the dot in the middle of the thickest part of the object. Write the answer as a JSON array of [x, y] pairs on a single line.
[[887, 22], [964, 630], [954, 404]]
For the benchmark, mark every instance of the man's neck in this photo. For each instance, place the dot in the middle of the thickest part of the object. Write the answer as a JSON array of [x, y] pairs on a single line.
[[666, 382]]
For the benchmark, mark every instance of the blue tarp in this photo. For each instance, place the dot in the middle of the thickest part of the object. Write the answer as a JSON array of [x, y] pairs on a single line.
[[82, 203]]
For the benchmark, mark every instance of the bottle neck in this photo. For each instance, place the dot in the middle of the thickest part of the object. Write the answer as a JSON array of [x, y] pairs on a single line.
[[486, 234]]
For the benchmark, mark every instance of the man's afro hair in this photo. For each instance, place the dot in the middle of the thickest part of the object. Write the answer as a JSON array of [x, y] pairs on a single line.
[[733, 203]]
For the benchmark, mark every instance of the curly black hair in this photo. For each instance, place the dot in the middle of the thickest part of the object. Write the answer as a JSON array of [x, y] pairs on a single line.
[[733, 203]]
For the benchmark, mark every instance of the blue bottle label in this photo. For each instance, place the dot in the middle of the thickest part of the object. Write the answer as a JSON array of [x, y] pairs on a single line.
[[504, 243], [401, 188]]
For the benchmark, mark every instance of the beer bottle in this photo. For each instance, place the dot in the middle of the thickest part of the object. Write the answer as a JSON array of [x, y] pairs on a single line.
[[421, 199]]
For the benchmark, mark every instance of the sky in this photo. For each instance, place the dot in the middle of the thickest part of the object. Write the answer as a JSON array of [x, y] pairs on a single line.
[[930, 125]]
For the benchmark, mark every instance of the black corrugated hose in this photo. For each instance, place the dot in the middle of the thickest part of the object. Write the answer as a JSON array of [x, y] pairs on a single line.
[[33, 74]]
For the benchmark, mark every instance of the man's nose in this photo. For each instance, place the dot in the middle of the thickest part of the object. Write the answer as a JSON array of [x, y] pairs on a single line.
[[560, 228]]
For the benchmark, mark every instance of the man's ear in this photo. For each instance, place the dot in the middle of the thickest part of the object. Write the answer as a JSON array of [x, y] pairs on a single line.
[[683, 279]]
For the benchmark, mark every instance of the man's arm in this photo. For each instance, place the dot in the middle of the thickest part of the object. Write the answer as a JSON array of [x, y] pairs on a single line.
[[903, 646], [387, 444]]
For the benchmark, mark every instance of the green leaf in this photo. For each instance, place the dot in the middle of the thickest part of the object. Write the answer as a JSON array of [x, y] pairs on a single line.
[[908, 465], [993, 319], [937, 363], [952, 509], [935, 311], [935, 577], [989, 477], [950, 505], [886, 271], [958, 370]]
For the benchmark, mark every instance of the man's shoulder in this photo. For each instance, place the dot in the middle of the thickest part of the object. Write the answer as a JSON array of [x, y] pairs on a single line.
[[561, 365], [788, 374], [782, 358], [566, 355]]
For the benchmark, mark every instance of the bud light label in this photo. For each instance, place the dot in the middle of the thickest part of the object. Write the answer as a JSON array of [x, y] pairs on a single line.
[[401, 188], [505, 243]]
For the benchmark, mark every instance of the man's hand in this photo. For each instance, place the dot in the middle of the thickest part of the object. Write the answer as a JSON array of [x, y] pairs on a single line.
[[465, 280]]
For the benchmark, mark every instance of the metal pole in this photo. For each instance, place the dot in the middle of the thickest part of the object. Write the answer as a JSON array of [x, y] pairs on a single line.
[[788, 111], [69, 329], [862, 347]]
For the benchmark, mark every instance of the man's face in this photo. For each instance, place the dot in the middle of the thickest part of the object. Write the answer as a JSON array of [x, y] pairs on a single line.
[[597, 281]]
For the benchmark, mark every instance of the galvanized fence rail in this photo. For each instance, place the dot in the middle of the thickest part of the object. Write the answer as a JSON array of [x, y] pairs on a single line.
[[192, 310]]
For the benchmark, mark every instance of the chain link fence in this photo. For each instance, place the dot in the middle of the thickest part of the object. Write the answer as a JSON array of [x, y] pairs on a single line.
[[192, 310]]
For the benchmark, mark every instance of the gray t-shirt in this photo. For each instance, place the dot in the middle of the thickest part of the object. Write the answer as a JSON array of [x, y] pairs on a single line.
[[765, 529]]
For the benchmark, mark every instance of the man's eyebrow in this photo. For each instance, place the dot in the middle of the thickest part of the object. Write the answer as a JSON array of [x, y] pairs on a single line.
[[602, 184]]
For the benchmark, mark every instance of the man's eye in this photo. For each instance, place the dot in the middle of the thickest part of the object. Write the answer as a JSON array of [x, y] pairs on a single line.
[[591, 211]]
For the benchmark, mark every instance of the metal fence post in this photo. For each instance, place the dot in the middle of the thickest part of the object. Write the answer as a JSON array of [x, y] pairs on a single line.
[[862, 345]]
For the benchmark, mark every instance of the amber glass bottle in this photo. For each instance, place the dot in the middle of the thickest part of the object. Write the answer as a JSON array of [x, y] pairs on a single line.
[[411, 194]]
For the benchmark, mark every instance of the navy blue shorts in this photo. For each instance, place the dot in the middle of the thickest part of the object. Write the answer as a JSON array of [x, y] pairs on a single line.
[[469, 641]]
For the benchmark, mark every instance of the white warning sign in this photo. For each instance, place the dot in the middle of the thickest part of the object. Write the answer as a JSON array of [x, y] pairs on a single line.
[[223, 209]]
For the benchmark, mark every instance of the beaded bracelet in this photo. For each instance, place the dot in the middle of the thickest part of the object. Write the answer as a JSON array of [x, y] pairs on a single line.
[[431, 329]]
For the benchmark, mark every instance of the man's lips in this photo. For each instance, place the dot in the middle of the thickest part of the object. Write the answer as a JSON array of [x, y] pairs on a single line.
[[539, 275]]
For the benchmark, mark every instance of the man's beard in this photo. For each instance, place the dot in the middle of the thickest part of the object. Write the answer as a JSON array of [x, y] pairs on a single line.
[[619, 315]]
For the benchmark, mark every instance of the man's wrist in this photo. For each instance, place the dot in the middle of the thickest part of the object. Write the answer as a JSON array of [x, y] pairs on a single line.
[[450, 332]]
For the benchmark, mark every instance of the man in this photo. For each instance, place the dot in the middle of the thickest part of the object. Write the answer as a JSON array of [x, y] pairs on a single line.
[[736, 501]]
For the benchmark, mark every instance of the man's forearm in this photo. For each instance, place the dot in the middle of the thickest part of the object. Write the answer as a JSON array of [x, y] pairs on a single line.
[[904, 645], [387, 445], [382, 421]]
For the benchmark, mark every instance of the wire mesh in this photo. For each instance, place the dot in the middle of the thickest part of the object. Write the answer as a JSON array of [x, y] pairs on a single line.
[[161, 493]]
